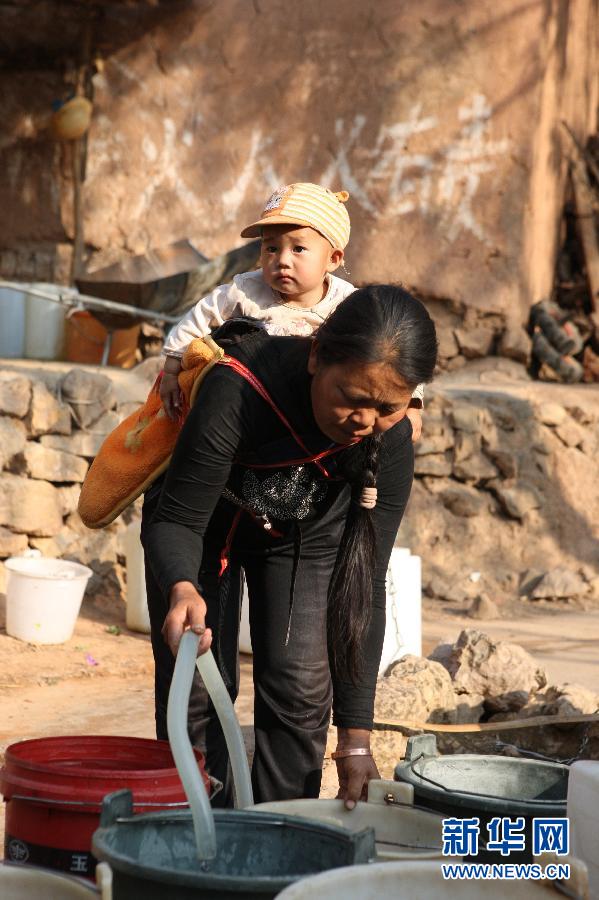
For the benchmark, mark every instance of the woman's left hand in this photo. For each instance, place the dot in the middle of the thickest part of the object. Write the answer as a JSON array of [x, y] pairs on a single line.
[[354, 773]]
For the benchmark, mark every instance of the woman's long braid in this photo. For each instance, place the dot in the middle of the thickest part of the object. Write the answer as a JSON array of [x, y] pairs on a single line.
[[382, 325], [350, 596]]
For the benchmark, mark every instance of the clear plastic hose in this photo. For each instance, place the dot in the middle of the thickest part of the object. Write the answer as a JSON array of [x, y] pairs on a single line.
[[226, 713], [187, 764]]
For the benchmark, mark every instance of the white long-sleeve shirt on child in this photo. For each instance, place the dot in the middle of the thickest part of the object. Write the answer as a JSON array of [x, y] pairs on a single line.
[[249, 295]]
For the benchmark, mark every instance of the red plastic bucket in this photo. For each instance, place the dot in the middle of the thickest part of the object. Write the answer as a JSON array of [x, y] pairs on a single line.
[[53, 789]]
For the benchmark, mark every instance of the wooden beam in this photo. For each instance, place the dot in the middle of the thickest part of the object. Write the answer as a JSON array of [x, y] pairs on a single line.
[[473, 727]]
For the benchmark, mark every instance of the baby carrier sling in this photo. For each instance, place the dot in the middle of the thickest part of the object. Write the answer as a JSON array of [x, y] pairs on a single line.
[[139, 449]]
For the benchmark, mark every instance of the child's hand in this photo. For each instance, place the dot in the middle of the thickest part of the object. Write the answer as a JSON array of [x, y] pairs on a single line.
[[170, 394], [415, 417]]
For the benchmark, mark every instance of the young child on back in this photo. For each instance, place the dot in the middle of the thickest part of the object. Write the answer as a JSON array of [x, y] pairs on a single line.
[[304, 229]]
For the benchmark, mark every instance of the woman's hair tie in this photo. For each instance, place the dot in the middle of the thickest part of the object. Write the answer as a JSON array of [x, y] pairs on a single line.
[[368, 497]]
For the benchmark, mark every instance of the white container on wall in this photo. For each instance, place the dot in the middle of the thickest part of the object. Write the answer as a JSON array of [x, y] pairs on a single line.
[[44, 325], [137, 616], [12, 323]]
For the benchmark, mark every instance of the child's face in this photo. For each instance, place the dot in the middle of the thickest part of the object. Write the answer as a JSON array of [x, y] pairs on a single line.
[[295, 259]]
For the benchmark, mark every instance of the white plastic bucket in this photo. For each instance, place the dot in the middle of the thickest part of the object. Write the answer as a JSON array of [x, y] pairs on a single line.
[[583, 813], [424, 881], [403, 631], [12, 323], [401, 832], [137, 615], [18, 882], [44, 325], [43, 598]]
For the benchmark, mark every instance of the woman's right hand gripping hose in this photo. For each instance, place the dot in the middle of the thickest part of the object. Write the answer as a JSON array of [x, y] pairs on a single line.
[[187, 613]]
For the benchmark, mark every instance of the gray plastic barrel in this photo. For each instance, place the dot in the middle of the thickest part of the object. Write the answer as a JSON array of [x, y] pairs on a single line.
[[258, 854], [466, 785]]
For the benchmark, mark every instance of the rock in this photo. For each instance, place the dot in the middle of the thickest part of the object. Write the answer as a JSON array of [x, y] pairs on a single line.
[[125, 409], [58, 545], [74, 522], [149, 369], [64, 422], [475, 468], [106, 587], [551, 413], [466, 418], [80, 443], [29, 507], [433, 443], [529, 580], [84, 443], [483, 607], [462, 500], [53, 465], [107, 422], [506, 462], [415, 688], [498, 671], [44, 411], [448, 345], [517, 501], [440, 587], [15, 395], [467, 444], [94, 548], [515, 343], [588, 572], [559, 583], [88, 395], [569, 699], [435, 464], [475, 342], [69, 498], [11, 544], [13, 437], [470, 708], [581, 415], [570, 433]]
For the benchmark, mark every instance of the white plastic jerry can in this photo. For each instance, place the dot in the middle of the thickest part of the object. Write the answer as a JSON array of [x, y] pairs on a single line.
[[403, 630]]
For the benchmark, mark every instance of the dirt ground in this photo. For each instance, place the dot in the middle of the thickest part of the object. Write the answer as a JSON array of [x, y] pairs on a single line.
[[100, 682]]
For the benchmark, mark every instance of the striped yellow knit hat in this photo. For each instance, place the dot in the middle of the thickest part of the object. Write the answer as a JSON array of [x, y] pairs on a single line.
[[306, 204]]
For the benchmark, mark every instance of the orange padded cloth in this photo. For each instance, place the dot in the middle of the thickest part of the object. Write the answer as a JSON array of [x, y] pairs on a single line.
[[140, 448]]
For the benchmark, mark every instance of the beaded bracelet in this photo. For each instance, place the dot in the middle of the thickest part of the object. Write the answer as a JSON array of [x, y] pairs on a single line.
[[354, 751]]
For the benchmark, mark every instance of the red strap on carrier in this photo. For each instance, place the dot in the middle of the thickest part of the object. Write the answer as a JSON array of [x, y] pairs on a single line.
[[260, 389], [315, 458]]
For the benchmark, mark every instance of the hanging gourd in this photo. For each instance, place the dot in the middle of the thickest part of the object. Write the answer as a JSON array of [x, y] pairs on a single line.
[[72, 119]]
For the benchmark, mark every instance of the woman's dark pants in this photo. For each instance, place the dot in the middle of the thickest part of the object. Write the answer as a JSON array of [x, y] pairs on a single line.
[[292, 684]]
